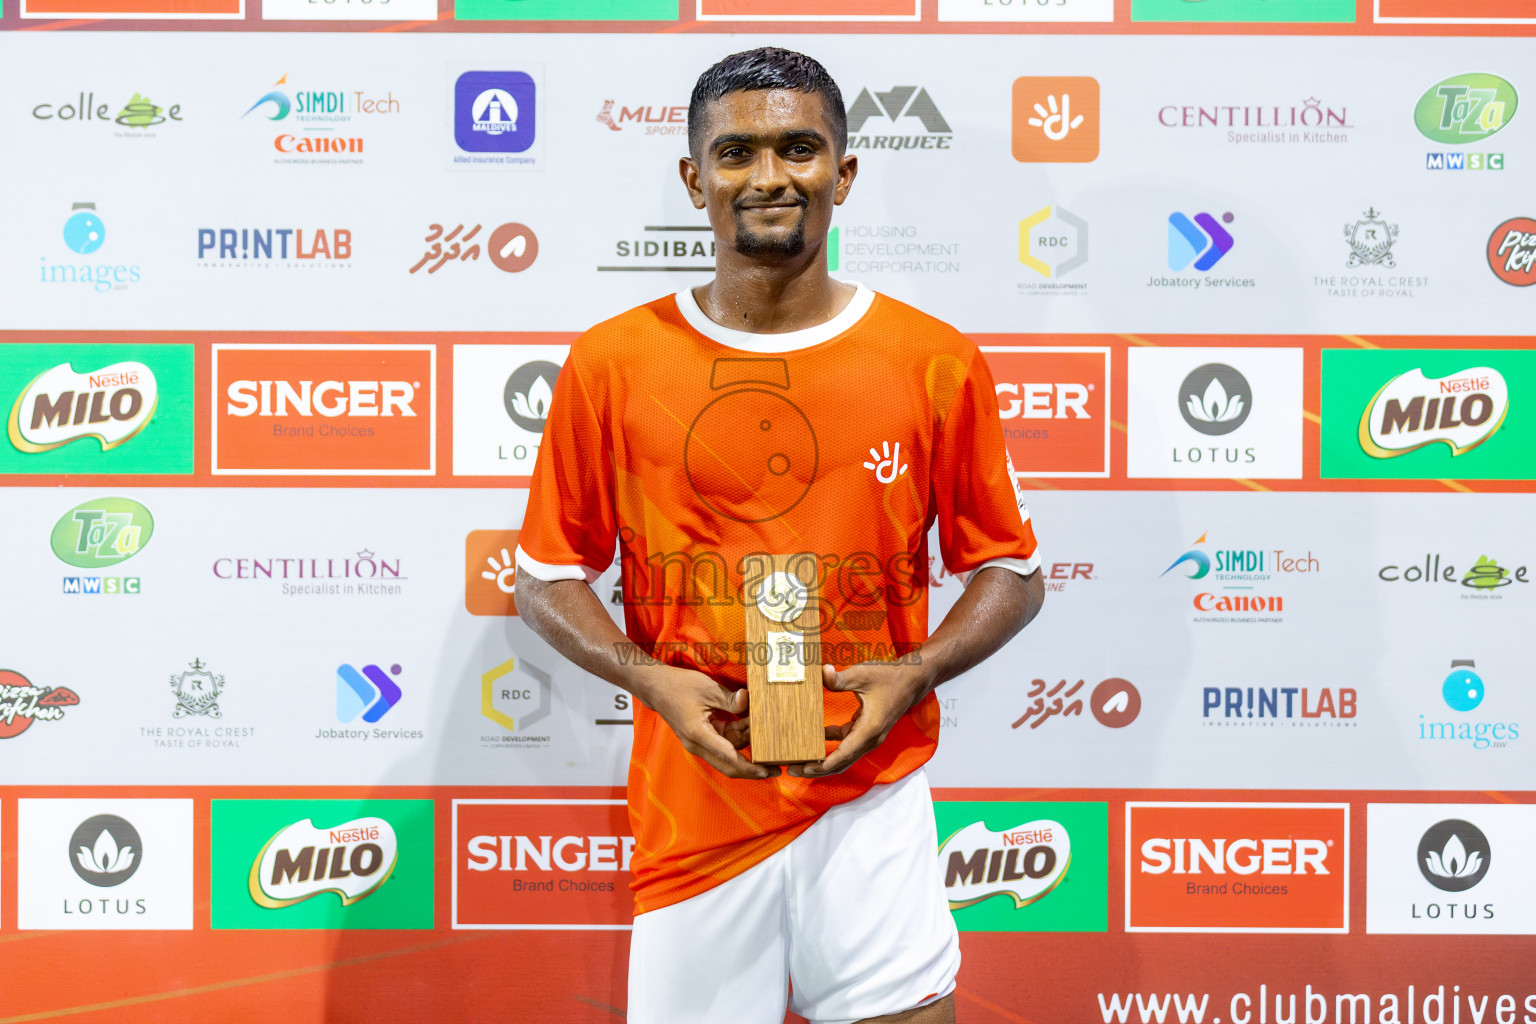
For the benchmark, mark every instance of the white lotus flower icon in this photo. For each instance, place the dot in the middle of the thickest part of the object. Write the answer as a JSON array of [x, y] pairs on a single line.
[[1215, 406], [534, 405], [105, 858], [1454, 861]]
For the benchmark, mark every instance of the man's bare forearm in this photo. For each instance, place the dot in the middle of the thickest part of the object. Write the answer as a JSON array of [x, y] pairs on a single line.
[[571, 619], [996, 604]]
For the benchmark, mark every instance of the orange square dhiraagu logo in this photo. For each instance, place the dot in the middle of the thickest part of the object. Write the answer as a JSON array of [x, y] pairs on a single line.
[[324, 410], [1236, 867], [490, 572], [1054, 404], [1056, 119]]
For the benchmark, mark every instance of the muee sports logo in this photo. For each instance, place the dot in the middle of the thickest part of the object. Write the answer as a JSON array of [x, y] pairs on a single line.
[[1023, 863], [1461, 411], [1054, 404], [352, 860], [324, 409], [60, 405], [1213, 867], [539, 863], [21, 703]]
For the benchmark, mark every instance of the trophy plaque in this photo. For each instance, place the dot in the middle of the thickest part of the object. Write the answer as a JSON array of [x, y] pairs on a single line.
[[784, 688]]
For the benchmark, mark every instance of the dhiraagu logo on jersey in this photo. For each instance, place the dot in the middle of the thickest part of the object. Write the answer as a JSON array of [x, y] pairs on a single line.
[[1465, 108], [1025, 867]]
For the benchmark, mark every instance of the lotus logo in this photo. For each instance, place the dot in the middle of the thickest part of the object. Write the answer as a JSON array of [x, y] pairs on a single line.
[[1023, 863], [1454, 855], [1460, 410], [1465, 108], [1215, 399], [529, 393], [105, 850]]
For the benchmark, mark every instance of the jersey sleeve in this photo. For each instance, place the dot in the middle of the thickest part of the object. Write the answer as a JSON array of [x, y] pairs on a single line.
[[982, 517], [570, 527]]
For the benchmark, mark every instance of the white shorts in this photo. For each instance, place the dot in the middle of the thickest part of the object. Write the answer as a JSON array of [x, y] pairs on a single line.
[[852, 914]]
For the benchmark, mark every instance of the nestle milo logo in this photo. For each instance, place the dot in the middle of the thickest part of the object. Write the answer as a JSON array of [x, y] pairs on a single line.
[[102, 533], [1465, 108]]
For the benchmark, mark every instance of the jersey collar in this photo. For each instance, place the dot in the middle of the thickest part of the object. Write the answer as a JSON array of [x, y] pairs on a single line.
[[790, 341]]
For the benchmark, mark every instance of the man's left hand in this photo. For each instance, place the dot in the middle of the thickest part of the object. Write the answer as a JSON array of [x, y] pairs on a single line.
[[886, 691]]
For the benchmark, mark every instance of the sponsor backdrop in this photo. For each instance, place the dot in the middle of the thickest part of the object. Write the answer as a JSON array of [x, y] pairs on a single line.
[[287, 286]]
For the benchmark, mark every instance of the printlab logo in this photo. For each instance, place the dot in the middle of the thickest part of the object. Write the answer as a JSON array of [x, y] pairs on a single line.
[[1215, 399], [106, 850], [1055, 119], [1454, 855], [84, 233], [369, 692], [1201, 241], [1512, 252], [297, 248], [494, 112], [512, 247], [1463, 691], [21, 703], [516, 696], [1053, 242], [896, 106], [657, 120], [1304, 706], [1115, 702], [137, 114], [197, 692], [1465, 109]]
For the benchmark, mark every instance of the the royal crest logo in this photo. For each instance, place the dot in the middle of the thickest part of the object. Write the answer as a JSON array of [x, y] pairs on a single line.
[[21, 703], [352, 860], [61, 405], [1023, 863], [1370, 241], [1461, 410], [197, 692]]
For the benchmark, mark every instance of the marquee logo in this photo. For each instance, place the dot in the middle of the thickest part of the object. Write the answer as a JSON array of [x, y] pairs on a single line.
[[1023, 863], [61, 405], [352, 860], [1512, 252], [106, 850], [324, 409], [21, 703], [1460, 410], [896, 105], [102, 533], [1197, 867], [1054, 404], [1465, 108]]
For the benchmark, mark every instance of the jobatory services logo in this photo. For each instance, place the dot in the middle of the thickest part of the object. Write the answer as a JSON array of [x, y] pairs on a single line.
[[1214, 413], [1424, 414], [1449, 869], [324, 126], [495, 121], [510, 247], [1239, 584], [1195, 245], [1053, 242], [502, 396], [316, 410], [1054, 404], [138, 115], [1370, 266], [1276, 11], [1481, 579], [84, 233], [1270, 706], [1308, 122], [22, 703], [104, 864], [902, 117], [541, 863], [322, 864], [1462, 110], [97, 408], [263, 248], [363, 697], [665, 120], [1463, 692], [1056, 119], [1025, 867], [1114, 703], [516, 695], [1512, 252], [1236, 867]]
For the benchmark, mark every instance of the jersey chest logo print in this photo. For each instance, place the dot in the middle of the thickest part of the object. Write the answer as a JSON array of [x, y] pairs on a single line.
[[886, 462]]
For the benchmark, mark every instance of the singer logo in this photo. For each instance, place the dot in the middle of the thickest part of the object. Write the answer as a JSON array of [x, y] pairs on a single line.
[[345, 410], [352, 860], [1054, 404], [1192, 867], [541, 864]]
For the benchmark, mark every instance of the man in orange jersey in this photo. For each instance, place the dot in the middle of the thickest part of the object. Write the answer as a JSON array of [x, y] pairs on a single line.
[[736, 419]]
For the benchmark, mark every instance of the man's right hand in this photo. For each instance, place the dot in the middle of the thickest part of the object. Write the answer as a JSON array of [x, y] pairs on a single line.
[[694, 707]]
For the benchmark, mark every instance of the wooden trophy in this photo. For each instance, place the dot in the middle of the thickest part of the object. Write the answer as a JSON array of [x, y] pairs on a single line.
[[784, 688]]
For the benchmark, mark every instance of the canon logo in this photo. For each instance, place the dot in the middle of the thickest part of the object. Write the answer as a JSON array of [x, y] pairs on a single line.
[[327, 397], [1239, 856], [1039, 402], [547, 853]]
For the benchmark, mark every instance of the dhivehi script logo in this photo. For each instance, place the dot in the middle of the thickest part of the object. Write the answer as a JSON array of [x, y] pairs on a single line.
[[352, 860], [1024, 863], [60, 405], [1461, 410]]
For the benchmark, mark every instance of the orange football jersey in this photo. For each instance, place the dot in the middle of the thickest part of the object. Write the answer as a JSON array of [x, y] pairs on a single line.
[[691, 446]]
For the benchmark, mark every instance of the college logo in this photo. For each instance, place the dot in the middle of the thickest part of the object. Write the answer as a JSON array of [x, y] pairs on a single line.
[[1485, 576], [516, 696], [1454, 855], [1040, 867], [1115, 702], [896, 105], [21, 703], [1055, 120], [1463, 691], [494, 112], [197, 692], [324, 409], [658, 120], [370, 692], [1416, 414], [1220, 867], [512, 247], [106, 850], [138, 113], [1053, 242], [1054, 404], [1465, 108], [1512, 251], [541, 863], [102, 533]]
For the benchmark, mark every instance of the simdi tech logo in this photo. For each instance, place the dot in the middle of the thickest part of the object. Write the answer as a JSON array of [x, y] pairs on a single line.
[[1025, 867], [82, 409], [1250, 580], [322, 864], [1428, 414], [319, 126], [1054, 404], [1056, 119], [1236, 867], [316, 410], [1462, 110]]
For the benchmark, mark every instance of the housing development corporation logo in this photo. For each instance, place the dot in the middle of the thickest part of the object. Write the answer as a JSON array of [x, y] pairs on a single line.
[[511, 247], [1235, 867], [1512, 252], [1056, 119], [1461, 110], [21, 703], [1025, 866], [1463, 692], [1054, 405], [908, 109]]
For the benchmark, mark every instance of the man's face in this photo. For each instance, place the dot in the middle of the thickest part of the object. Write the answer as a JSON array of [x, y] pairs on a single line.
[[768, 173]]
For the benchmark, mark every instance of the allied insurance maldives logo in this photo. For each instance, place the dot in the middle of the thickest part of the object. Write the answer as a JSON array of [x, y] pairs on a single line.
[[314, 410]]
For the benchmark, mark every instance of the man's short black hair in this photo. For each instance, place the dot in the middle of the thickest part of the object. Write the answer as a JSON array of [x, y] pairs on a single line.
[[767, 67]]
